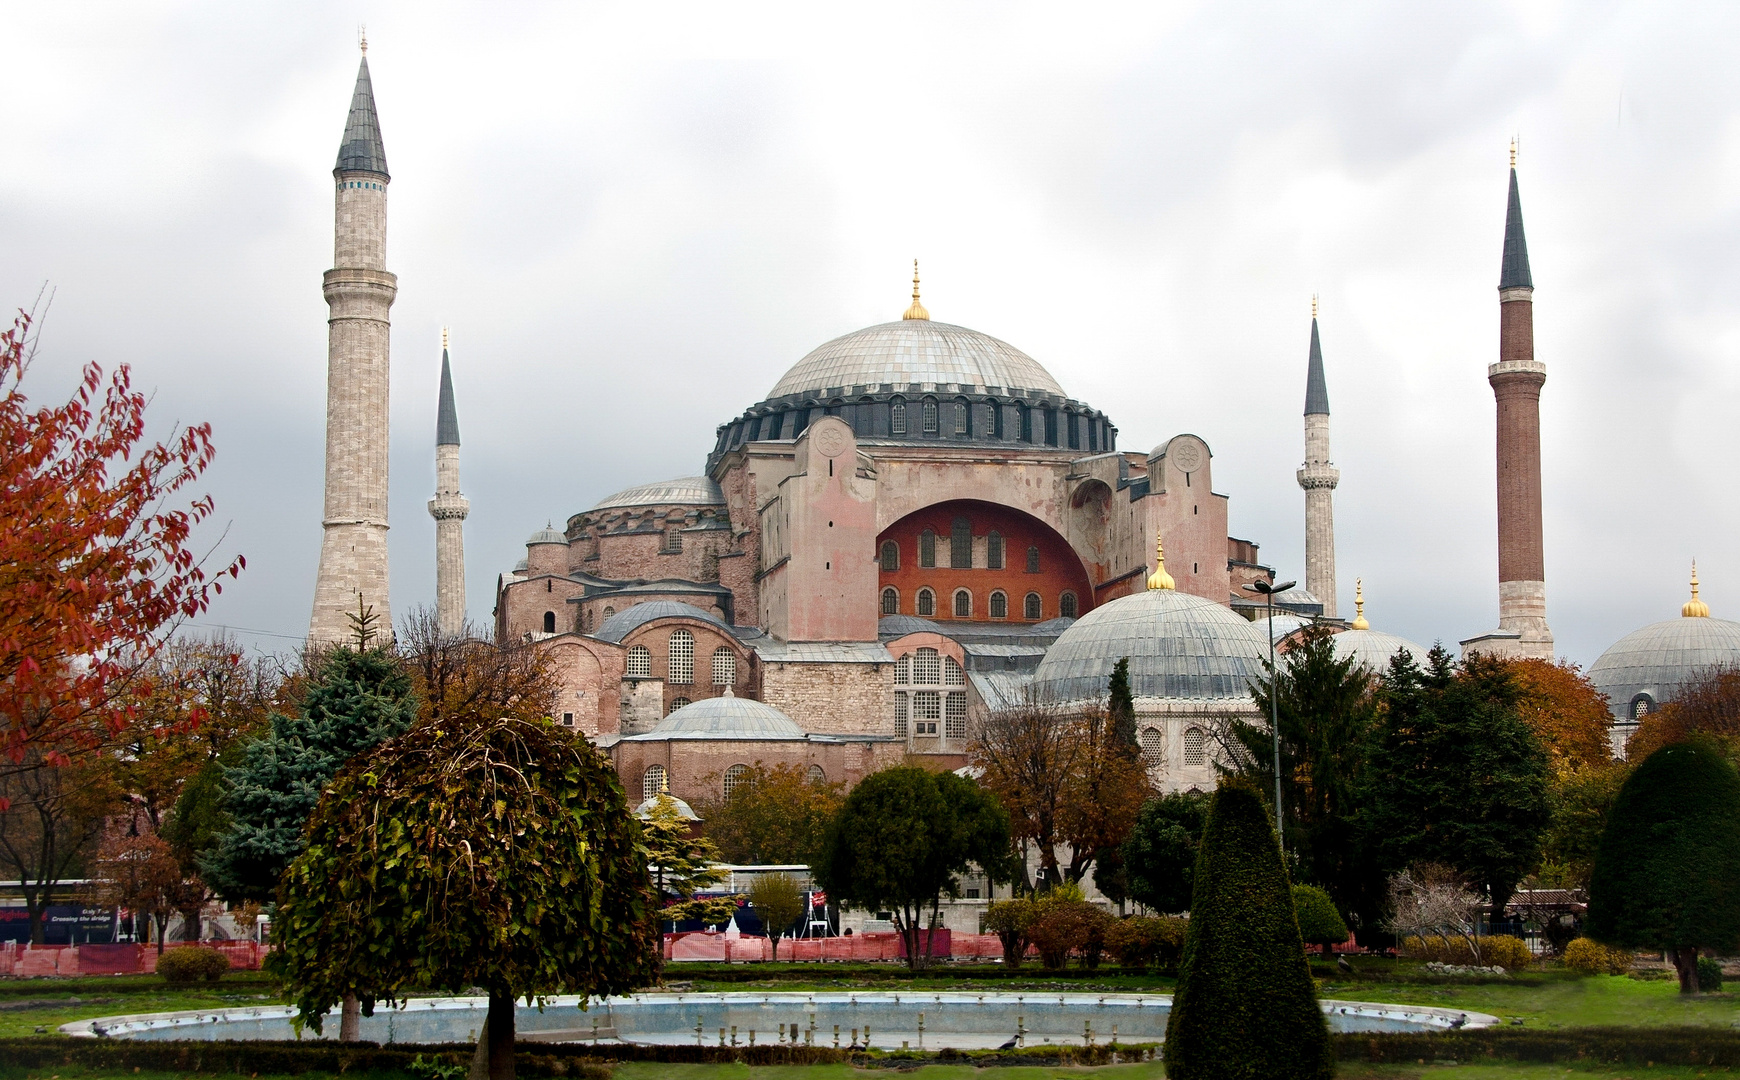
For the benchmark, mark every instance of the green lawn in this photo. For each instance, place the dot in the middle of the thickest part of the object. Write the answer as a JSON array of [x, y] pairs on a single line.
[[27, 1004], [1557, 1000], [1148, 1071]]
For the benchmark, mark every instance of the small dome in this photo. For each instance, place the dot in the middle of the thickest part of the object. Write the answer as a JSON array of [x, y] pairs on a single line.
[[547, 535], [522, 566], [1660, 659], [683, 491], [916, 351], [684, 810], [618, 626], [725, 718], [1372, 649], [1180, 646]]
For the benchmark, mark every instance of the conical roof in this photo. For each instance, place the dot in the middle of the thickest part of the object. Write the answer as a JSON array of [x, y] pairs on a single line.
[[1515, 272], [362, 150], [1316, 389], [446, 416]]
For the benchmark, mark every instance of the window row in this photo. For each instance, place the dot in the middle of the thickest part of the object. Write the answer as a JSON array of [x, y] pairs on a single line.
[[1153, 745], [931, 418], [368, 184], [960, 550], [927, 667], [961, 603], [680, 661], [738, 777], [918, 712]]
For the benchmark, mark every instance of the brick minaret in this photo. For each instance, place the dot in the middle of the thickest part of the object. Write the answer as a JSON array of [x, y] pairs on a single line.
[[1318, 477], [359, 292], [448, 508], [1516, 381]]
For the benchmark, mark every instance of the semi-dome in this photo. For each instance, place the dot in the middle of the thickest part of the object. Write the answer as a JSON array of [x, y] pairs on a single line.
[[1658, 661], [916, 351], [1180, 647], [726, 718], [1372, 649], [683, 491], [547, 535], [618, 626]]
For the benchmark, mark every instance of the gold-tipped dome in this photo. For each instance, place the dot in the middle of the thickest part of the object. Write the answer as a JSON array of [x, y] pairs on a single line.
[[1695, 608], [1359, 622], [916, 311], [1160, 579]]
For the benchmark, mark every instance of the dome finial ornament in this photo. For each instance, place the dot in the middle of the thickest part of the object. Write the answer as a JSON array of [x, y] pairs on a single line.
[[1314, 306], [362, 37], [1513, 151], [1695, 608], [916, 311], [1160, 579], [1359, 622], [443, 339]]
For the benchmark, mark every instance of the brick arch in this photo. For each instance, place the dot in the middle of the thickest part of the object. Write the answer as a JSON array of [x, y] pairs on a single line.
[[1060, 567]]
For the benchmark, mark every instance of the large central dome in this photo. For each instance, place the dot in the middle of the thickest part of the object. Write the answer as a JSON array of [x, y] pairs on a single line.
[[916, 351]]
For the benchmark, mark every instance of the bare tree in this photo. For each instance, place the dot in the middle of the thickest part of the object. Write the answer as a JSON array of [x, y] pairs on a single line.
[[466, 674], [52, 817], [1431, 901]]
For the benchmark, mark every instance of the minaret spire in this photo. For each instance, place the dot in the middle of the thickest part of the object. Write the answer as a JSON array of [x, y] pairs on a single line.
[[1319, 477], [359, 295], [449, 508], [916, 311]]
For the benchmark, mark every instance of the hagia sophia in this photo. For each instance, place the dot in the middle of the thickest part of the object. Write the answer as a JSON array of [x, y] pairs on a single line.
[[917, 525]]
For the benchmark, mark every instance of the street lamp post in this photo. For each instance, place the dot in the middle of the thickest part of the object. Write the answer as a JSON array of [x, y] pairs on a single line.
[[1268, 590]]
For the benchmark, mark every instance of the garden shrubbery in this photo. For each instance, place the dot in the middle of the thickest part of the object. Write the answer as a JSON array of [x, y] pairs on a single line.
[[1069, 925], [1009, 920], [1594, 958], [1142, 943], [188, 964], [1502, 951], [1709, 975]]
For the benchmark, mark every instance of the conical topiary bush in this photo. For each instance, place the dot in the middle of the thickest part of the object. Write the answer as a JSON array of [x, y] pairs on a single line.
[[1245, 1007]]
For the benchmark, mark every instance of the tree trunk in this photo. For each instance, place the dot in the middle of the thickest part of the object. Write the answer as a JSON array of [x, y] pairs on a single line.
[[350, 1020], [500, 1031], [1686, 963], [479, 1069]]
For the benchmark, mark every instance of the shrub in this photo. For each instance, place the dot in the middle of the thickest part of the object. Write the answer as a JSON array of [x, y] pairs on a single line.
[[1069, 926], [187, 964], [1594, 958], [1245, 1004], [1142, 943], [1009, 920], [1709, 975], [1502, 951], [1319, 922]]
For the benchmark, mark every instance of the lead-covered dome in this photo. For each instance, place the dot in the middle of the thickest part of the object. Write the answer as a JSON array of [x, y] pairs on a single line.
[[1658, 661], [916, 351], [1180, 646], [683, 491], [1372, 649], [724, 718]]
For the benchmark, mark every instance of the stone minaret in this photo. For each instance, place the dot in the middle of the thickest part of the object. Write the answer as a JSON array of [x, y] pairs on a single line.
[[1318, 477], [448, 508], [359, 292], [1516, 383]]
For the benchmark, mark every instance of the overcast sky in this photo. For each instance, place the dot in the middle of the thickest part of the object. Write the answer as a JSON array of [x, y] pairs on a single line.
[[634, 218]]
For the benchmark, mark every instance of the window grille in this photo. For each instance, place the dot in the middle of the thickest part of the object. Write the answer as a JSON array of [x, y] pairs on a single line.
[[927, 548], [961, 415], [1640, 707], [994, 550], [736, 779], [817, 776], [926, 602], [890, 601], [897, 417], [961, 545], [1195, 752], [1066, 605], [639, 662], [724, 667], [1032, 606], [927, 667], [1153, 744], [963, 604], [926, 711], [682, 657], [999, 605], [677, 703], [890, 555], [900, 711], [609, 611], [654, 782], [1033, 560], [952, 673], [673, 542], [903, 670], [928, 411], [955, 716]]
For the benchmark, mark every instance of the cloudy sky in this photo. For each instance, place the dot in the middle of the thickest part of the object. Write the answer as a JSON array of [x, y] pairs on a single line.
[[634, 218]]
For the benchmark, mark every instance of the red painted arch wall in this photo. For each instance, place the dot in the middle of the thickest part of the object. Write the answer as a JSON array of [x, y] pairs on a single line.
[[1060, 570]]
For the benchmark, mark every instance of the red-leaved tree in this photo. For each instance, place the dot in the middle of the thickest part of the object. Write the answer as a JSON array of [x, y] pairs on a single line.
[[95, 567]]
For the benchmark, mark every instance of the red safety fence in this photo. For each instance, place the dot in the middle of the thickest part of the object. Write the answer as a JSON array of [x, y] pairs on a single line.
[[709, 945], [28, 961]]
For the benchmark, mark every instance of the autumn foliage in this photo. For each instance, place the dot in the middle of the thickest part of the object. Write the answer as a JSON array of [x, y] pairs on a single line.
[[1568, 715], [95, 566], [1709, 705]]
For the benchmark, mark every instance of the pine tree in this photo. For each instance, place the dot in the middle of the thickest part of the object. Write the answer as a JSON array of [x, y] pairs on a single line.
[[1122, 705], [1245, 1007]]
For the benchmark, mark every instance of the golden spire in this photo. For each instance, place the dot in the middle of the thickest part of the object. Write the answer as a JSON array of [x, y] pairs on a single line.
[[1160, 579], [1313, 306], [916, 311], [1513, 151], [1359, 622], [443, 339], [362, 37], [1695, 608]]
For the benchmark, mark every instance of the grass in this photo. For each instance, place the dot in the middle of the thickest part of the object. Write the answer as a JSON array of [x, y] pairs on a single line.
[[1554, 999], [1145, 1071], [27, 1004]]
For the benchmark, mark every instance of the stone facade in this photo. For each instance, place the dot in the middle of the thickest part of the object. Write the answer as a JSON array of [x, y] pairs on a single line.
[[694, 770], [449, 509]]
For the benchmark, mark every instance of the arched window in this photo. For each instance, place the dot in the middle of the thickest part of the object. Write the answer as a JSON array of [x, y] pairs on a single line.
[[816, 775], [682, 658], [677, 703], [724, 667], [961, 544], [891, 601], [1033, 560], [890, 555], [897, 417], [1195, 749], [929, 414], [927, 549], [1153, 747], [1641, 706], [609, 611], [1031, 607], [926, 602], [654, 782], [639, 662], [952, 673], [903, 670], [955, 716], [994, 550], [549, 622], [736, 779], [999, 605], [963, 417], [963, 604], [927, 667], [1066, 605]]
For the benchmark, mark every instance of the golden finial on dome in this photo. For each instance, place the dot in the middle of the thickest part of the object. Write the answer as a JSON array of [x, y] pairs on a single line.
[[443, 339], [362, 37], [1160, 579], [1695, 608], [1314, 307], [916, 311], [1513, 151], [1359, 622]]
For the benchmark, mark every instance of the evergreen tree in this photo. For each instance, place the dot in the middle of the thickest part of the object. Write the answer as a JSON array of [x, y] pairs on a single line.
[[1159, 857], [1667, 873], [1245, 1007], [1122, 705], [356, 700], [1319, 921]]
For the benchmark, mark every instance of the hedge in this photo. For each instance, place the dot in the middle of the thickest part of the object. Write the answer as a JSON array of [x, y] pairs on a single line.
[[1694, 1046]]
